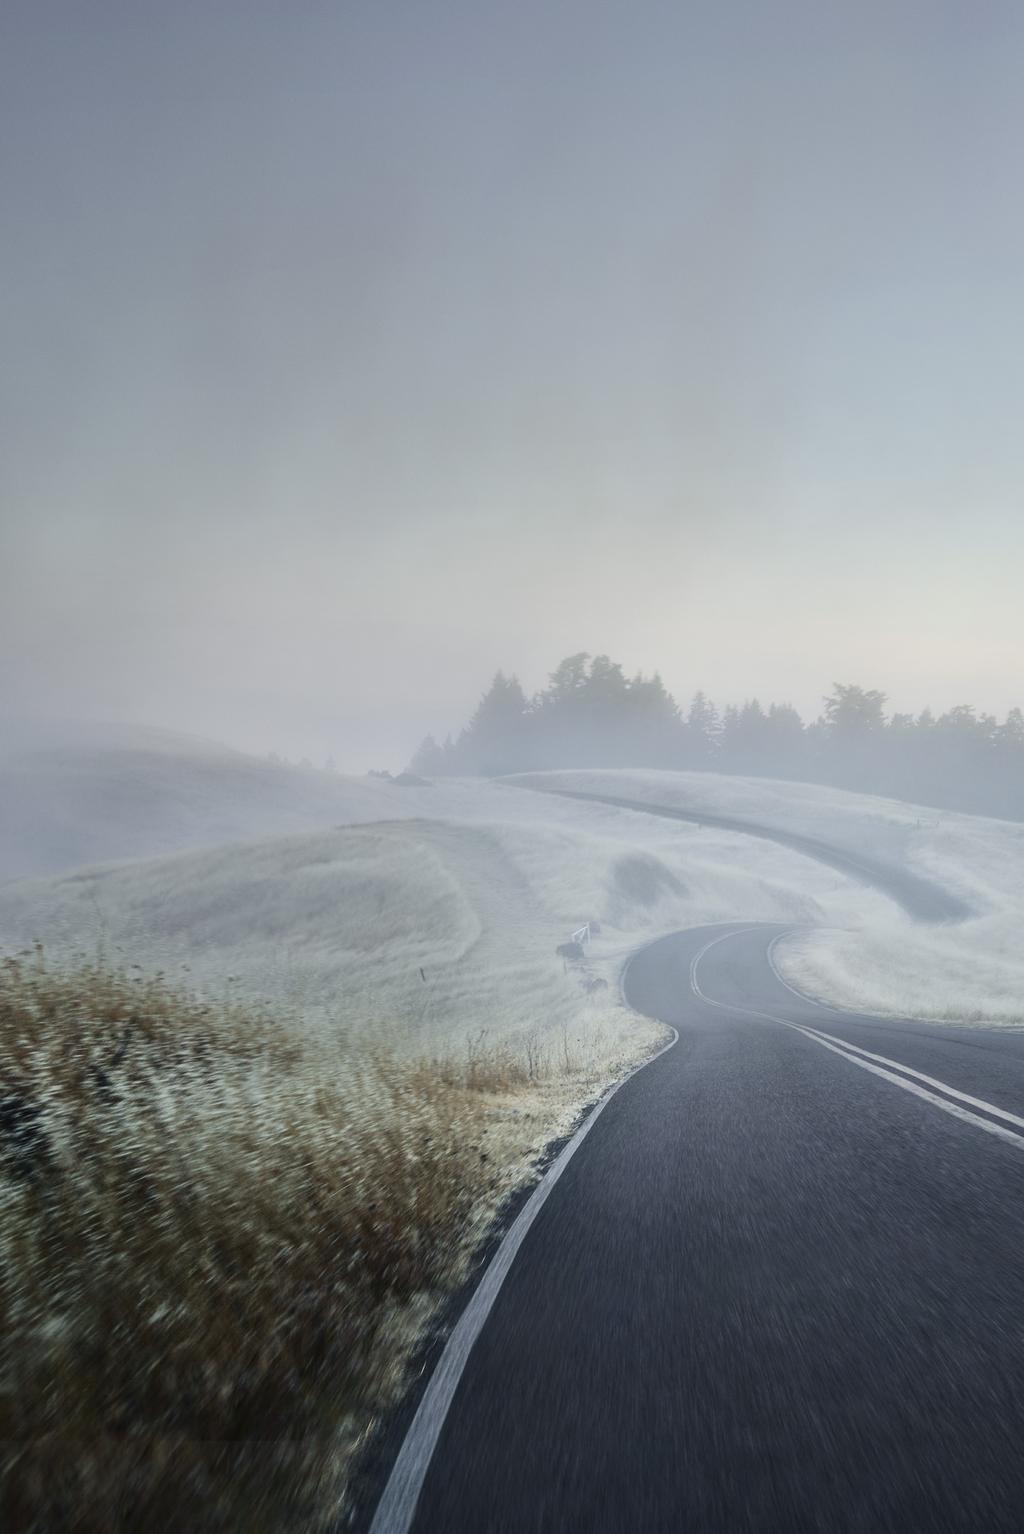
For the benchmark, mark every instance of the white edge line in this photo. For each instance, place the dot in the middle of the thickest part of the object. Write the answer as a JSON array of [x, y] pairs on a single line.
[[876, 1017], [780, 977], [397, 1506], [695, 984], [852, 1053]]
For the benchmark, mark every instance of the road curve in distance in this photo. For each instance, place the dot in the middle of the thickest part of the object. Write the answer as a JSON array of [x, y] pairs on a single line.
[[921, 898]]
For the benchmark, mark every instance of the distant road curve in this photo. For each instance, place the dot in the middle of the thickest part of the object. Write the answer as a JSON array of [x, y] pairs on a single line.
[[919, 897]]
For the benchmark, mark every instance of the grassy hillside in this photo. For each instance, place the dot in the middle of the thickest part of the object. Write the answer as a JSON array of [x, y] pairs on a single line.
[[875, 958], [284, 913], [432, 930], [69, 798], [221, 1236]]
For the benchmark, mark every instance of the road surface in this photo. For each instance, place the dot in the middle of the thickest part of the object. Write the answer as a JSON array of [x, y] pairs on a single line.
[[778, 1287]]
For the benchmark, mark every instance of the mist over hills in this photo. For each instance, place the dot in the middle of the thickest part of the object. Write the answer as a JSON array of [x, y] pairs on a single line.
[[592, 715], [74, 794]]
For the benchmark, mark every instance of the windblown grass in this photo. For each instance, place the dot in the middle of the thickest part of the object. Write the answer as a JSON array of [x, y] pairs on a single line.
[[218, 1239]]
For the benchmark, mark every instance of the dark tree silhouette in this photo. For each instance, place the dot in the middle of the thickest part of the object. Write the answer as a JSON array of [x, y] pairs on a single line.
[[495, 740], [592, 715], [851, 713]]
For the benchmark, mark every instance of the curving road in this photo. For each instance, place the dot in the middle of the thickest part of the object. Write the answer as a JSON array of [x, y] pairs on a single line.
[[778, 1287], [920, 897]]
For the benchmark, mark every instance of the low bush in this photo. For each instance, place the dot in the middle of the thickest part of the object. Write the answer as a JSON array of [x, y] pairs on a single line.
[[218, 1237]]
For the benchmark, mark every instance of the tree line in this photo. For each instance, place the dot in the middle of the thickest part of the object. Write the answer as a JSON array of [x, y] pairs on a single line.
[[591, 714]]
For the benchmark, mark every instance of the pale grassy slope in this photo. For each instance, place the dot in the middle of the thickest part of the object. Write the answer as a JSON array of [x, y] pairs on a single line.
[[878, 959], [429, 932], [476, 883], [75, 797]]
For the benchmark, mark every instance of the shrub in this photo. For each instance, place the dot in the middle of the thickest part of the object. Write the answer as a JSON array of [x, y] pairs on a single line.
[[218, 1237]]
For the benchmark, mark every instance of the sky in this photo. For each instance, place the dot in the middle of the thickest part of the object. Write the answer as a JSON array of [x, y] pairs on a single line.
[[354, 350]]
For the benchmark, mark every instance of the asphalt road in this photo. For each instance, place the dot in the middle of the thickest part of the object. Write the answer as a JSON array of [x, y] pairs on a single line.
[[779, 1285]]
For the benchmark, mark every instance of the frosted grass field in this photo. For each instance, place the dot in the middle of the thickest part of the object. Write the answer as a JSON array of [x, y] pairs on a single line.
[[427, 933], [876, 958], [432, 914]]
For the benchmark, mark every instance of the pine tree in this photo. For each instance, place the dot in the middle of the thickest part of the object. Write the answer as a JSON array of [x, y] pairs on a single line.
[[703, 727], [494, 741], [428, 760]]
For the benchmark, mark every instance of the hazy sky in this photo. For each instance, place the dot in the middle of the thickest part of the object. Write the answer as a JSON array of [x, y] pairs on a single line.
[[354, 348]]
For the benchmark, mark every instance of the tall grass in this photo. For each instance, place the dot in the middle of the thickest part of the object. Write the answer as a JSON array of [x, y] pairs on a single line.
[[217, 1237]]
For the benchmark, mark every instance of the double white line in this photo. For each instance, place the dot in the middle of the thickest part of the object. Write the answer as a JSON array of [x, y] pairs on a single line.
[[880, 1065]]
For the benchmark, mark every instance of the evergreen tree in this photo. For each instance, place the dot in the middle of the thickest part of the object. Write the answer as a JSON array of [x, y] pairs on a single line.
[[851, 713], [1011, 733], [703, 728], [428, 760], [494, 740]]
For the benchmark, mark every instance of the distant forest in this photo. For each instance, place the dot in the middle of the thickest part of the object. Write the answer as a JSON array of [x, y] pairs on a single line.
[[592, 715]]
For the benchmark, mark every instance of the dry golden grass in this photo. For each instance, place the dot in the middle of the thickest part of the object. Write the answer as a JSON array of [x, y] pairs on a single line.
[[219, 1238]]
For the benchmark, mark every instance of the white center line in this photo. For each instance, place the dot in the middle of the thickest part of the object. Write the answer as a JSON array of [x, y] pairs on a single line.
[[864, 1058], [930, 1097], [963, 1097]]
